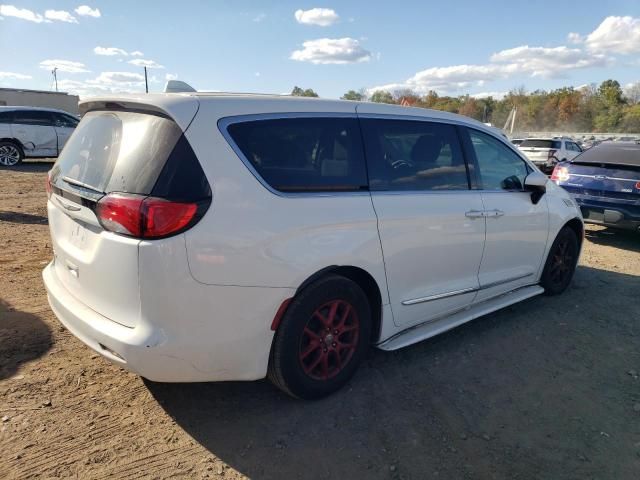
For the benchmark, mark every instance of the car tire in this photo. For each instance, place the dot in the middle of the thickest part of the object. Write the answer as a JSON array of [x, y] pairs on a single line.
[[322, 338], [10, 154], [561, 262]]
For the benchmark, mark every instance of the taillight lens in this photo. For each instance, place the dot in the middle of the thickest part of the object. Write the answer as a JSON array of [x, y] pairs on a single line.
[[48, 185], [560, 174], [144, 217], [638, 185]]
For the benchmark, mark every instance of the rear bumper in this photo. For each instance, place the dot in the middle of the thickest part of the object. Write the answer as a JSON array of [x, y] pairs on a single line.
[[233, 346], [599, 211]]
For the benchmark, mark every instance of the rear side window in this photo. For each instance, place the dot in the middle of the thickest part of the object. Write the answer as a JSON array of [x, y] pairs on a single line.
[[32, 117], [555, 144], [6, 117], [304, 154], [117, 151], [413, 155]]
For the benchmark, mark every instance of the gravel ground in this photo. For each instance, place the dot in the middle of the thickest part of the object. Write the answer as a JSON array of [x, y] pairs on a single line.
[[547, 389]]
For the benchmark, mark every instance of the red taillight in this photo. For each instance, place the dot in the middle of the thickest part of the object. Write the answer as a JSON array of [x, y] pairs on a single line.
[[144, 217], [48, 185], [560, 174], [638, 185]]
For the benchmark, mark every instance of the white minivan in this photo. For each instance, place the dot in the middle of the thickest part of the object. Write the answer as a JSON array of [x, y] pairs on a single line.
[[206, 237]]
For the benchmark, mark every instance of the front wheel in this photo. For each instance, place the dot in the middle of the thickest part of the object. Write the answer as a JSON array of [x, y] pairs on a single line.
[[561, 262], [322, 338]]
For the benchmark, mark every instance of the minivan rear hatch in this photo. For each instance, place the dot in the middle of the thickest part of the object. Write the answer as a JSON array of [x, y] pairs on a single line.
[[538, 150], [112, 150]]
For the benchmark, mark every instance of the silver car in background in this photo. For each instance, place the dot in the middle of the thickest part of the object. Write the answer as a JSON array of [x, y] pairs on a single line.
[[30, 132]]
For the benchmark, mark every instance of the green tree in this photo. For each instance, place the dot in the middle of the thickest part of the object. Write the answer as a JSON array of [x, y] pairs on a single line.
[[631, 120], [611, 93], [353, 95], [382, 96], [299, 92]]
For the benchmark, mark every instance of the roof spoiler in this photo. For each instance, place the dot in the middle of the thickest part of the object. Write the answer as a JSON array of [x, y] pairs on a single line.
[[178, 86]]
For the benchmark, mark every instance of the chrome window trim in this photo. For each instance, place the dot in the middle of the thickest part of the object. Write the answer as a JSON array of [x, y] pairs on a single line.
[[454, 293], [225, 122]]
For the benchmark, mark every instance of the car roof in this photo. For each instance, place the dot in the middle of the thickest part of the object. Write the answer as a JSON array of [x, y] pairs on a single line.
[[12, 108], [170, 103]]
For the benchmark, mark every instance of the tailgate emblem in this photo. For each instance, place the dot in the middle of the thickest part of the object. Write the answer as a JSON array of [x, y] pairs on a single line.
[[600, 177]]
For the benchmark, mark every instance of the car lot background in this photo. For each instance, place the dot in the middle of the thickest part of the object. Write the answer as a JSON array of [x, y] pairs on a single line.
[[548, 388]]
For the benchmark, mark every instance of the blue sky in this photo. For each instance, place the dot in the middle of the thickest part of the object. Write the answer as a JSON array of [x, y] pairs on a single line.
[[454, 47]]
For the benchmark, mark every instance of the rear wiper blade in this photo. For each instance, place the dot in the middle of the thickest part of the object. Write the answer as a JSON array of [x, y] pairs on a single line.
[[78, 183]]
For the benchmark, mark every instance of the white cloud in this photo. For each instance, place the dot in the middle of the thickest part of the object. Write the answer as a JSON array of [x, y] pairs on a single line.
[[171, 76], [548, 62], [575, 38], [317, 16], [495, 95], [64, 66], [136, 53], [332, 50], [22, 13], [109, 51], [140, 62], [60, 16], [259, 18], [523, 60], [106, 83], [619, 35], [87, 11], [14, 76]]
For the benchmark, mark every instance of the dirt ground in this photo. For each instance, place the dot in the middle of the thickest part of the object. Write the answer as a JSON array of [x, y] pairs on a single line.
[[545, 389]]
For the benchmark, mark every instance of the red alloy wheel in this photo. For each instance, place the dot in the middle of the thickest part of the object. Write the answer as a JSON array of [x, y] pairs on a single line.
[[329, 340]]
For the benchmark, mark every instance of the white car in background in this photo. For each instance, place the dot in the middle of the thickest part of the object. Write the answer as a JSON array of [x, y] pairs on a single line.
[[545, 153], [210, 237], [31, 132]]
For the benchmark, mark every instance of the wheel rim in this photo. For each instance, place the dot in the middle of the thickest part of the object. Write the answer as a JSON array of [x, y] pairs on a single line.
[[562, 262], [9, 155], [329, 340]]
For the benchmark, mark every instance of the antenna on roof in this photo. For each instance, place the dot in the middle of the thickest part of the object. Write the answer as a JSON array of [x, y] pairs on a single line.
[[178, 86], [54, 72]]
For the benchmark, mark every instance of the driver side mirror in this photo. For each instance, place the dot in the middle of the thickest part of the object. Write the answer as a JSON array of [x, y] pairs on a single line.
[[536, 183]]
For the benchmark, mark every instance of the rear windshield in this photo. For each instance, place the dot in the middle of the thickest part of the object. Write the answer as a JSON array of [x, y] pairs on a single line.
[[627, 154], [541, 144], [113, 151]]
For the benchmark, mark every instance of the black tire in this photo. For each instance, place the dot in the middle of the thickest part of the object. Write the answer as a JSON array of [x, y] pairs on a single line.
[[561, 262], [295, 350], [8, 151]]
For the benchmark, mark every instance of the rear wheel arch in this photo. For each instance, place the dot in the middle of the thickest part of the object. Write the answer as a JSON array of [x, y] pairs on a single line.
[[365, 281]]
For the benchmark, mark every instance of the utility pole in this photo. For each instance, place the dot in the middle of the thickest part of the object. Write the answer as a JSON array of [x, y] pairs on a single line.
[[54, 72], [146, 82]]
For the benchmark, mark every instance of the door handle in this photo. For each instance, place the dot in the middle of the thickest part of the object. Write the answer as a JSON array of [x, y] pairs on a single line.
[[494, 213], [474, 214]]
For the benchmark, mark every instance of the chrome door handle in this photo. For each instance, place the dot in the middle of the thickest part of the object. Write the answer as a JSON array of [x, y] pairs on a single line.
[[495, 213], [474, 214]]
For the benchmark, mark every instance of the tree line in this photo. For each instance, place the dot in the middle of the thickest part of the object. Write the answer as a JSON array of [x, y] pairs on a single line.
[[593, 108]]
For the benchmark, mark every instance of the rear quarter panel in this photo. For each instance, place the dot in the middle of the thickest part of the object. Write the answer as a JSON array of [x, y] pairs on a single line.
[[253, 237]]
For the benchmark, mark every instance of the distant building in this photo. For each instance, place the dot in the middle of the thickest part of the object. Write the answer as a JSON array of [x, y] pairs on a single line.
[[39, 98]]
